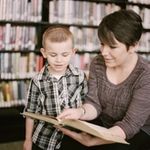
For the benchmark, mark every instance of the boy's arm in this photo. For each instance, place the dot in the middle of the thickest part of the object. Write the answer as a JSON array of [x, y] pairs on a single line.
[[28, 134], [29, 128]]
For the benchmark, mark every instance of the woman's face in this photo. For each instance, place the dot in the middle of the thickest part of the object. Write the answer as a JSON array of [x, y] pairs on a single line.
[[116, 55]]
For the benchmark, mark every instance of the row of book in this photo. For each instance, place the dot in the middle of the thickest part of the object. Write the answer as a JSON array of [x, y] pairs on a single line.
[[87, 13], [25, 38], [144, 13], [85, 38], [31, 10], [12, 103], [140, 1], [146, 56], [83, 61], [13, 93], [21, 10], [17, 37], [20, 66], [20, 38], [144, 43], [79, 12]]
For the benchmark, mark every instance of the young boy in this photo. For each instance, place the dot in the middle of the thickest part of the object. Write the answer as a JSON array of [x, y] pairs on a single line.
[[56, 87]]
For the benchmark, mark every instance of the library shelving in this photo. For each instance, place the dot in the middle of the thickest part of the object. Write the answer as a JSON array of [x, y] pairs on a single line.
[[22, 23], [20, 59]]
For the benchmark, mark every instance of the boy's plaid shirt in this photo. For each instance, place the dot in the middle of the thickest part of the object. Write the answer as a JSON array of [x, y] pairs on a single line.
[[47, 95]]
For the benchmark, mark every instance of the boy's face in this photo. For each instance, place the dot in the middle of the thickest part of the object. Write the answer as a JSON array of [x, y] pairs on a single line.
[[58, 55]]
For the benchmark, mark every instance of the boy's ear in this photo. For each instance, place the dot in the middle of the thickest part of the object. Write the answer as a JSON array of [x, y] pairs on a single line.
[[74, 50], [43, 52]]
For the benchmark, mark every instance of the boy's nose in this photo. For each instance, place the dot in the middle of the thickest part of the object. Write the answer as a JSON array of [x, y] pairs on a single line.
[[58, 59]]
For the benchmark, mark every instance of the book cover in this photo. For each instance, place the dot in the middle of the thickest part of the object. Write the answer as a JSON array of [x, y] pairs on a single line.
[[83, 126]]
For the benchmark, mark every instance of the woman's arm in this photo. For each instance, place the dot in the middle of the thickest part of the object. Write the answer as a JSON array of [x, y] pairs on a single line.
[[86, 112], [138, 110], [116, 130]]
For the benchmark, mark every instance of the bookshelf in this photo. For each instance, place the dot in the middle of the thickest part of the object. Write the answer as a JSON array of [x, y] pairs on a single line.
[[22, 23], [20, 32]]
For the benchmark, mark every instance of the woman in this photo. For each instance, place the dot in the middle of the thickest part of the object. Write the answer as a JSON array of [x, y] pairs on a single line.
[[119, 87]]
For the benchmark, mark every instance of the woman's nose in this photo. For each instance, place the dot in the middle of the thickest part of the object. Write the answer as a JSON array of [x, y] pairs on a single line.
[[105, 50]]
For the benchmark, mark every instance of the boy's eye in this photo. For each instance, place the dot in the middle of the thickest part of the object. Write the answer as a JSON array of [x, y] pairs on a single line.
[[65, 55], [52, 55]]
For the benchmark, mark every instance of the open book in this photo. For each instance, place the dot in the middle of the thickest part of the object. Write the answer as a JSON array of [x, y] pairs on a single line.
[[83, 126]]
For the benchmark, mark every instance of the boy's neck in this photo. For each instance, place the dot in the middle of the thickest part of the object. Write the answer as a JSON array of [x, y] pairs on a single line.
[[57, 75]]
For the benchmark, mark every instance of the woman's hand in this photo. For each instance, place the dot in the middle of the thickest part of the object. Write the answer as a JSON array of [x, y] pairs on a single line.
[[84, 138], [71, 113]]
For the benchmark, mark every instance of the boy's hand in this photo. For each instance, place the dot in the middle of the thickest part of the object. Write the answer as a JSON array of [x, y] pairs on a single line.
[[71, 113]]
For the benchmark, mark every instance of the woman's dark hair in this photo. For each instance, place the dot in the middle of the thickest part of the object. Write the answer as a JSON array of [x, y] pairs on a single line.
[[123, 25]]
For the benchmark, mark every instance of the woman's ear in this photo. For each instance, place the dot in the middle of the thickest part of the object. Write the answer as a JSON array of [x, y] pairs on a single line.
[[134, 48], [43, 52]]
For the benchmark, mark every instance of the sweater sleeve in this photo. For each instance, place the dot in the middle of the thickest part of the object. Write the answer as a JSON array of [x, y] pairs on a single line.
[[139, 108]]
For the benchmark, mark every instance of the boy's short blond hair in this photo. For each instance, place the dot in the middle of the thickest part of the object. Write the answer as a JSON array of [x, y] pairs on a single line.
[[56, 34]]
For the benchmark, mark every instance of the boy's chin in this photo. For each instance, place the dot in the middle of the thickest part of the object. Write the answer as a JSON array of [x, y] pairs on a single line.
[[60, 71]]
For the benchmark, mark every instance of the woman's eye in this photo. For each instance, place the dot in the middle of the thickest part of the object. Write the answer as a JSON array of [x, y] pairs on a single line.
[[112, 47]]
